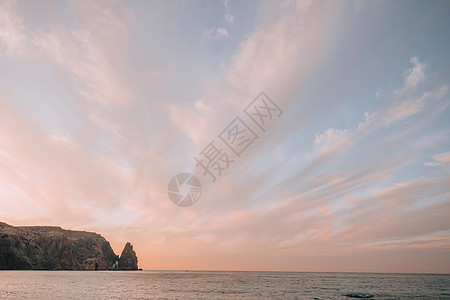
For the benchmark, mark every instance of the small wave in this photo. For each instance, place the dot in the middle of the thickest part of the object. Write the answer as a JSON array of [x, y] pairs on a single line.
[[358, 295]]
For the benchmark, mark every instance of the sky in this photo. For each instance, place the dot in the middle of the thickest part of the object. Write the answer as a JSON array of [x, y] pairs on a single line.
[[102, 103]]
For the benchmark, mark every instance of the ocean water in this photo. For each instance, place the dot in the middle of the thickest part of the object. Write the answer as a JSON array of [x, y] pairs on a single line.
[[219, 285]]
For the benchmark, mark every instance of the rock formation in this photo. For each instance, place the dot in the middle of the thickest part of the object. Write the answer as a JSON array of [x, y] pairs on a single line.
[[54, 248], [128, 259]]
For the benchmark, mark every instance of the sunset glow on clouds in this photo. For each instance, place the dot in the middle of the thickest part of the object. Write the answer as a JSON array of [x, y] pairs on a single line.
[[102, 103]]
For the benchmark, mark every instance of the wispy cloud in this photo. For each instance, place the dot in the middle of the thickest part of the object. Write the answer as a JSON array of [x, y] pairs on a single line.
[[100, 106], [216, 33], [12, 36], [414, 76], [334, 140], [229, 18], [329, 136], [442, 159], [97, 79]]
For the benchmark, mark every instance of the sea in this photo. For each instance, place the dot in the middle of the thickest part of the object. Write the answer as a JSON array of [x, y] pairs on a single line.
[[219, 285]]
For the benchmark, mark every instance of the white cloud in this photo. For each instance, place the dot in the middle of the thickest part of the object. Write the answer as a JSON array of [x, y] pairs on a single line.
[[278, 56], [378, 94], [414, 77], [81, 55], [216, 33], [222, 32], [442, 159], [333, 142], [104, 124], [274, 59], [12, 36], [329, 136], [229, 18], [195, 121], [403, 109]]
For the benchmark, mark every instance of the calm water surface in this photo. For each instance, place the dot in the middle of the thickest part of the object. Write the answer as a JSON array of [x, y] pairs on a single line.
[[219, 285]]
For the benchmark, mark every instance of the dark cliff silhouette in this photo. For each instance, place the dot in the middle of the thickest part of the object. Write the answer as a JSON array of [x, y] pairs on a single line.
[[54, 248], [128, 259]]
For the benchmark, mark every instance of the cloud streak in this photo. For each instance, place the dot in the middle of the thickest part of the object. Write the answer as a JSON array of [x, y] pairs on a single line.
[[100, 107]]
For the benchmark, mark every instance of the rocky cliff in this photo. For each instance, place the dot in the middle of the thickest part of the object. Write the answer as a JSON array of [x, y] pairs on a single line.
[[128, 259], [54, 248]]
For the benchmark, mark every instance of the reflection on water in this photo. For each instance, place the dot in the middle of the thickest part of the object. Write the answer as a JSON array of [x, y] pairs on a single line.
[[219, 285]]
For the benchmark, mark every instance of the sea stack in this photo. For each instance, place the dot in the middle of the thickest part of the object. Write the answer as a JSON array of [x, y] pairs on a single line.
[[128, 259]]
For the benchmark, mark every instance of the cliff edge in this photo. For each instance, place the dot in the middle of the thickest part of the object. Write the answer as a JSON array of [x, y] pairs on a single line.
[[128, 259], [54, 248]]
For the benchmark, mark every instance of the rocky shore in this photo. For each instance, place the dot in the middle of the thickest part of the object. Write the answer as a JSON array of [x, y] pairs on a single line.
[[54, 248]]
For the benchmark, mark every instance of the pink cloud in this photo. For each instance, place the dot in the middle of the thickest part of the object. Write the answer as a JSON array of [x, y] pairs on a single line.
[[414, 77], [12, 36], [442, 159]]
